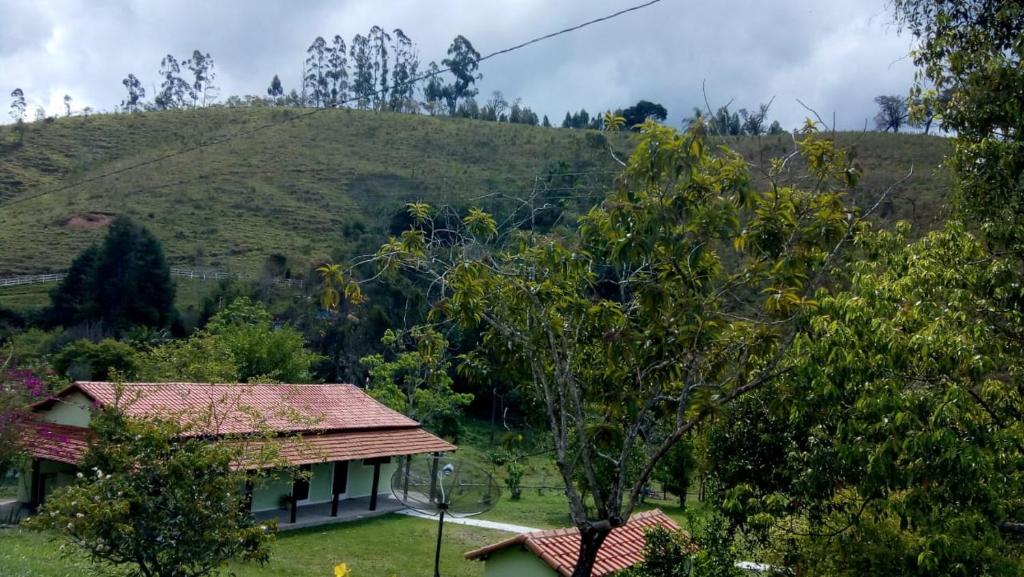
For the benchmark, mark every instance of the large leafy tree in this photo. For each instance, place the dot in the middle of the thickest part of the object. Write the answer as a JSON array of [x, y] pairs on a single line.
[[892, 113], [637, 114], [895, 446], [412, 377], [239, 344], [970, 76], [904, 447], [154, 502], [676, 296]]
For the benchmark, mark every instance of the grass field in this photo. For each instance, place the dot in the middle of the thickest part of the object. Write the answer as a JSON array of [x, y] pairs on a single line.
[[328, 184], [301, 189], [392, 545]]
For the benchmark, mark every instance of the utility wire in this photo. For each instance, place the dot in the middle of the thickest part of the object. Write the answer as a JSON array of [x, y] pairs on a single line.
[[308, 113]]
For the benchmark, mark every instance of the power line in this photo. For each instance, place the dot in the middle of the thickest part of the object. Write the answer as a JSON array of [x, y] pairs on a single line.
[[309, 113]]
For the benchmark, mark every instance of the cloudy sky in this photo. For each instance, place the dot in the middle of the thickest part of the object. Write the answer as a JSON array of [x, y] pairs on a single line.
[[834, 55]]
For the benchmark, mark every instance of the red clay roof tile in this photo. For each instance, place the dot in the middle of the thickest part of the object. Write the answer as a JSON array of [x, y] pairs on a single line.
[[558, 548], [309, 423], [242, 408], [53, 442], [350, 446]]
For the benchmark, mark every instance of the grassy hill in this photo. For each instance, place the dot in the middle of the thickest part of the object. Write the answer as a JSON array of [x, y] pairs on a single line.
[[326, 183]]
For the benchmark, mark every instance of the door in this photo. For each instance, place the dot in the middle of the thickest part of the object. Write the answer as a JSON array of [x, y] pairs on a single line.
[[300, 487], [340, 484]]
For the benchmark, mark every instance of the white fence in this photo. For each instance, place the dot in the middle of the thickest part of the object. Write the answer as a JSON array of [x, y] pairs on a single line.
[[31, 279], [178, 272]]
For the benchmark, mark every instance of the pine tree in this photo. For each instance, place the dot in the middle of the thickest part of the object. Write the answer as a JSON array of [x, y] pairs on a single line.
[[123, 283]]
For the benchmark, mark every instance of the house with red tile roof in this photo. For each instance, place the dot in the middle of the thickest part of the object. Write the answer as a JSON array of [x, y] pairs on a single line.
[[552, 553], [345, 442]]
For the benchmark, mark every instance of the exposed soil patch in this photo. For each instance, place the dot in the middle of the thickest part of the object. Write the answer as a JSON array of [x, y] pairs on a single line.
[[88, 220]]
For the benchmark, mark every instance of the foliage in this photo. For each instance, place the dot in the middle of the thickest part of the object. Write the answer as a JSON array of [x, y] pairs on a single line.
[[413, 378], [19, 387], [666, 554], [463, 61], [902, 451], [970, 75], [17, 111], [895, 445], [123, 283], [676, 470], [636, 115], [510, 456], [155, 503], [673, 298], [136, 92], [239, 344], [84, 360], [892, 112]]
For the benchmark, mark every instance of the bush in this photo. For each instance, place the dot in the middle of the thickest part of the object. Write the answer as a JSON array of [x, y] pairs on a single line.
[[85, 360]]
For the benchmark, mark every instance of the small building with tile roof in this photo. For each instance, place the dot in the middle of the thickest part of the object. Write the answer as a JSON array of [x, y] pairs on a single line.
[[343, 440], [552, 553]]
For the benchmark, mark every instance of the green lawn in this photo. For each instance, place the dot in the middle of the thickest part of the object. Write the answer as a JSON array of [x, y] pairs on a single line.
[[384, 546]]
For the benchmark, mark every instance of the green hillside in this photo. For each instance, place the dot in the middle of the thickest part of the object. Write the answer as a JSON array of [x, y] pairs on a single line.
[[326, 183]]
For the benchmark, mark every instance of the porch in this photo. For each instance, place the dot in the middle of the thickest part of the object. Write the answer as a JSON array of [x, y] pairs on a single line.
[[315, 514]]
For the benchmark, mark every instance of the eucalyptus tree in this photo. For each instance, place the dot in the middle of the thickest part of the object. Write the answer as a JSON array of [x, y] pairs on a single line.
[[18, 105], [434, 91], [680, 293], [463, 61], [173, 89], [337, 74], [136, 92], [362, 71], [317, 71], [202, 68], [379, 40], [403, 73]]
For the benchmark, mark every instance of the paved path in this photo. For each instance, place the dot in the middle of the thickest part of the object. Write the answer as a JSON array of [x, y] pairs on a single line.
[[507, 527]]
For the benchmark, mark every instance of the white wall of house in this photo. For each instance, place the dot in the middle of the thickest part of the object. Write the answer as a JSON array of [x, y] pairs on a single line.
[[360, 478], [74, 410], [516, 562], [268, 493]]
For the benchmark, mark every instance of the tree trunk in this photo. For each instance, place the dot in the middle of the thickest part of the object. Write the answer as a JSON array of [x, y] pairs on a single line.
[[591, 539]]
